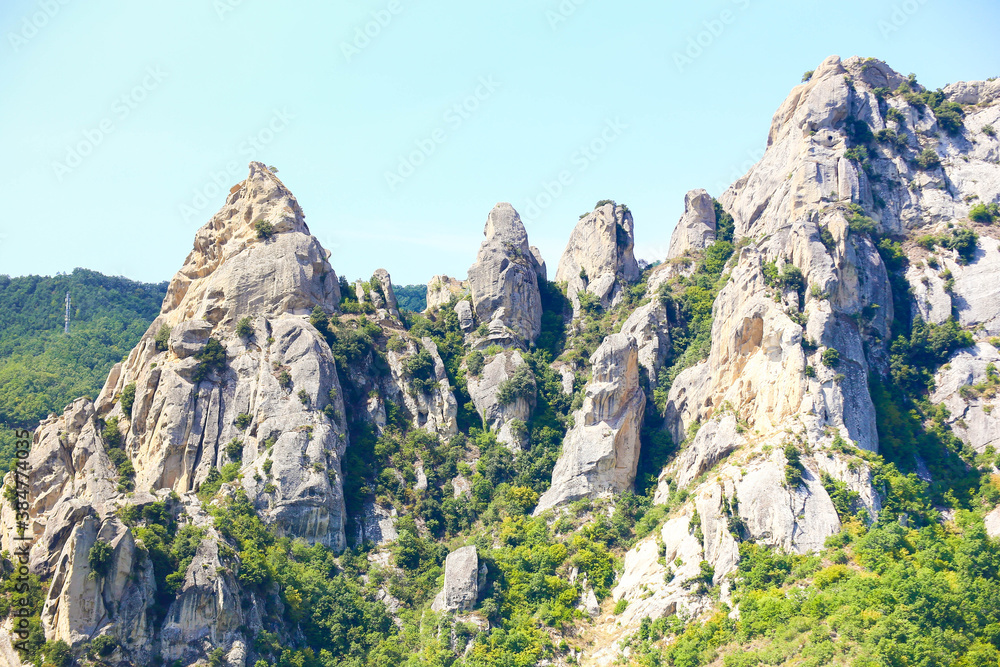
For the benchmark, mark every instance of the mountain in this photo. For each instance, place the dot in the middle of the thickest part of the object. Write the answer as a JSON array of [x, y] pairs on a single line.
[[777, 446]]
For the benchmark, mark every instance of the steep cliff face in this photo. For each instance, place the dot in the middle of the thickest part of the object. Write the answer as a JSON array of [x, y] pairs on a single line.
[[802, 325], [601, 451], [504, 280], [483, 483], [599, 257], [202, 393]]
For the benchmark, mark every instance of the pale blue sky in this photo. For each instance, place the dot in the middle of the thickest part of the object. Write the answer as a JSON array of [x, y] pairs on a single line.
[[163, 98]]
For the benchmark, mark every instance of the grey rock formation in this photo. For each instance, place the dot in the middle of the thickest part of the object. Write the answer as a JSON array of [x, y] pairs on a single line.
[[598, 258], [435, 410], [442, 289], [233, 271], [601, 451], [207, 611], [648, 326], [188, 338], [385, 282], [971, 412], [504, 279], [466, 318], [696, 228], [501, 418], [461, 581]]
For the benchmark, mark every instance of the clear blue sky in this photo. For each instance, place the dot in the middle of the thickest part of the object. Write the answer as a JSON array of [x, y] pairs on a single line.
[[158, 99]]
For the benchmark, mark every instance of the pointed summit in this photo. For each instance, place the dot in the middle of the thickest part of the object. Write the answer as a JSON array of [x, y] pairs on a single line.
[[504, 279], [254, 257]]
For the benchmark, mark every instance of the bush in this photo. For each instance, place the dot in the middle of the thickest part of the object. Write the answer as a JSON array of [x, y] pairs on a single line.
[[475, 363], [928, 159], [111, 434], [284, 379], [963, 241], [520, 385], [162, 338], [234, 449], [810, 372], [264, 229], [831, 357], [243, 420], [793, 466], [103, 646], [99, 558], [244, 328], [808, 75], [211, 357], [984, 213], [862, 224], [419, 368], [128, 398]]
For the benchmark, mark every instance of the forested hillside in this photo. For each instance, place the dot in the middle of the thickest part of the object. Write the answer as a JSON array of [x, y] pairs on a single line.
[[41, 368]]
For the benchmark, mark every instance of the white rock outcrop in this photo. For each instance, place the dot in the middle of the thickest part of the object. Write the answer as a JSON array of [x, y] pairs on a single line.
[[504, 280], [696, 228], [599, 258], [600, 453], [461, 581], [502, 419]]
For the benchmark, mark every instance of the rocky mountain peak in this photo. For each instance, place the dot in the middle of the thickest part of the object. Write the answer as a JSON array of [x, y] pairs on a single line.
[[599, 258], [255, 256], [696, 228], [504, 280]]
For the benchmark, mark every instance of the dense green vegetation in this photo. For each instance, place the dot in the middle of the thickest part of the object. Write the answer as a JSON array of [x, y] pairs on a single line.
[[411, 297], [884, 595], [41, 369]]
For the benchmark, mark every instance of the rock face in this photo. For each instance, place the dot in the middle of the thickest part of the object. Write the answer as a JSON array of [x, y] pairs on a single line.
[[601, 451], [696, 228], [502, 418], [968, 387], [461, 582], [648, 325], [388, 295], [435, 410], [266, 391], [234, 270], [598, 258], [764, 386], [441, 289], [504, 279]]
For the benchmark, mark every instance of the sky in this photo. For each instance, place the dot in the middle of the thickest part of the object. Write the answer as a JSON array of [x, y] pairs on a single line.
[[399, 124]]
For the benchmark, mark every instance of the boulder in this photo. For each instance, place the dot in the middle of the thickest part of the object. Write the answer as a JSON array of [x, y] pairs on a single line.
[[461, 582]]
